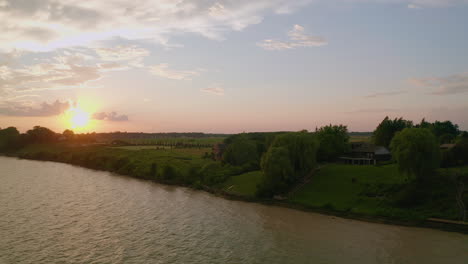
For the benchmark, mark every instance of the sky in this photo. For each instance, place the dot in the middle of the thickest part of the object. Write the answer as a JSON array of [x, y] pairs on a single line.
[[230, 66]]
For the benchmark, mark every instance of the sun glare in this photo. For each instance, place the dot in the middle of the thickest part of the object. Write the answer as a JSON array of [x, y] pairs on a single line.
[[77, 118]]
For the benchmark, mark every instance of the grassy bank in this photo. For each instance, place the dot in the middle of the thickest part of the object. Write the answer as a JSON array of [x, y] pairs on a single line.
[[378, 191], [370, 192]]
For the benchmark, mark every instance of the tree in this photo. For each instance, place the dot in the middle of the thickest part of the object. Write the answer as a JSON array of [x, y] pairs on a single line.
[[241, 151], [444, 131], [9, 138], [386, 130], [334, 141], [441, 129], [416, 151], [278, 171], [68, 134], [290, 157], [41, 135]]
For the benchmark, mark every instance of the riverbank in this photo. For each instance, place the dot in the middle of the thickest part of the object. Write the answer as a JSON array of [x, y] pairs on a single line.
[[344, 191]]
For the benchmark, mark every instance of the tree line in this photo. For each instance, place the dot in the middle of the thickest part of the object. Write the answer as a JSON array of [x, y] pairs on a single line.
[[287, 157]]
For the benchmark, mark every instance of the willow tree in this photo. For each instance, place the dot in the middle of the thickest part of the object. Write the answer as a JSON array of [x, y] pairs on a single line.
[[290, 157], [416, 151]]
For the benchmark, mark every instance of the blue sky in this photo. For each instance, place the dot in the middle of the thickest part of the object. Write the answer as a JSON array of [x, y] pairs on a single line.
[[233, 66]]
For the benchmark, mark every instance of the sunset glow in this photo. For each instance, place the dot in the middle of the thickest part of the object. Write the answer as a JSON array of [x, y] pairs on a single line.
[[225, 66], [77, 118]]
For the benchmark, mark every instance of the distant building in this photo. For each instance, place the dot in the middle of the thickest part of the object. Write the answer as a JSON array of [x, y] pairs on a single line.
[[218, 151], [363, 153], [446, 146]]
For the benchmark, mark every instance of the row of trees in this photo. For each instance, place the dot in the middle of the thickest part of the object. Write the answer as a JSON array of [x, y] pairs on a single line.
[[11, 138], [445, 132], [283, 157], [286, 157]]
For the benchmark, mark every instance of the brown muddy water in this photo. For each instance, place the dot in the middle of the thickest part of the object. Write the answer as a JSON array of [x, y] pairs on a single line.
[[57, 213]]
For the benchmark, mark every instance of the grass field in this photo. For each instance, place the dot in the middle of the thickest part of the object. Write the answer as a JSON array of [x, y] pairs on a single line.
[[135, 162], [192, 152], [183, 140], [375, 190], [341, 186], [244, 184]]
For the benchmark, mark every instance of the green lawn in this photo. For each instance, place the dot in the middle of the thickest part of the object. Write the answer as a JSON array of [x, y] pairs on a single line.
[[183, 140], [244, 184], [376, 190], [342, 186], [161, 150], [136, 162]]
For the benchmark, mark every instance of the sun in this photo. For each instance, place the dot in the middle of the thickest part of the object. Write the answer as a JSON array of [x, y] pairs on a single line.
[[77, 118]]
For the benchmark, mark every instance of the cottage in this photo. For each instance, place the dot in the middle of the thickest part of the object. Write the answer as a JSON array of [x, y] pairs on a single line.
[[363, 153], [446, 146]]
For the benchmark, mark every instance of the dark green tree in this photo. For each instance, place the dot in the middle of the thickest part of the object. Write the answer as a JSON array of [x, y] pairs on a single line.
[[385, 131], [416, 151], [69, 135], [334, 141], [278, 171], [41, 135], [9, 138], [290, 157], [241, 151], [445, 128], [444, 131]]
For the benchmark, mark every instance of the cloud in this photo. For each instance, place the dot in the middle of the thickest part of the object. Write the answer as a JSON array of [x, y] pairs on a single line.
[[162, 70], [374, 110], [111, 116], [297, 38], [132, 54], [453, 84], [44, 25], [383, 94], [12, 108], [215, 89], [418, 4], [67, 69], [59, 72], [413, 6]]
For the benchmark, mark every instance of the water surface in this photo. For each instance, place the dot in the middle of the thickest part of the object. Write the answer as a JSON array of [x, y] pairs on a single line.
[[57, 213]]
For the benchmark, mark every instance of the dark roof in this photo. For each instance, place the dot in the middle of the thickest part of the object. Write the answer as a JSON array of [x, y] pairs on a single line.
[[364, 147], [369, 148], [447, 146]]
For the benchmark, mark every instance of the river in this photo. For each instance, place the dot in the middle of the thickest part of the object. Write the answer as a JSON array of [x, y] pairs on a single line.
[[57, 213]]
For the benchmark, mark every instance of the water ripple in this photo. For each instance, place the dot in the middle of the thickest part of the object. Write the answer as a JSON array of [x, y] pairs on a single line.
[[56, 213]]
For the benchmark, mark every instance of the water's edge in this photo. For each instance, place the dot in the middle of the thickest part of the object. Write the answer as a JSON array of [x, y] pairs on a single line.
[[271, 202]]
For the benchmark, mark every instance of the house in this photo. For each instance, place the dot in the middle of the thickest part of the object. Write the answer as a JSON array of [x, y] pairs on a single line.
[[363, 153], [446, 146], [218, 151]]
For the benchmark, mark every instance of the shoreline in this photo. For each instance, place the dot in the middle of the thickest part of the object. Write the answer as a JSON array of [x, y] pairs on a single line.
[[449, 227]]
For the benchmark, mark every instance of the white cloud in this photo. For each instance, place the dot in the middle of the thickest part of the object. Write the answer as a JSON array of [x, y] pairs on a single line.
[[121, 53], [214, 89], [163, 70], [384, 94], [111, 116], [25, 108], [297, 38], [44, 25], [453, 84], [413, 6], [69, 68]]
